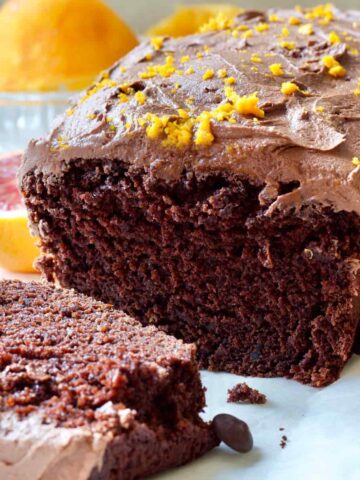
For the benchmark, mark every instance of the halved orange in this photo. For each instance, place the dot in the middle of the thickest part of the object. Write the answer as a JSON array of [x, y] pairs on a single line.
[[18, 248]]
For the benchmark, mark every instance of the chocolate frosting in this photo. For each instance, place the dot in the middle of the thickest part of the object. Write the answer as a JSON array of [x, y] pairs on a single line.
[[309, 137]]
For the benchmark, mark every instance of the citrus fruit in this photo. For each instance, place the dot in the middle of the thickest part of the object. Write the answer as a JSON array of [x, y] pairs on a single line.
[[51, 45], [187, 20], [17, 247]]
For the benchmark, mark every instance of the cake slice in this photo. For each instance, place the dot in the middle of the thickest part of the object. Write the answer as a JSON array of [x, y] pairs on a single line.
[[86, 392], [211, 185]]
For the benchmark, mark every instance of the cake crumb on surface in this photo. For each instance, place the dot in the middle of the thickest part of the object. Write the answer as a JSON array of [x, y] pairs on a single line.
[[242, 393], [283, 441]]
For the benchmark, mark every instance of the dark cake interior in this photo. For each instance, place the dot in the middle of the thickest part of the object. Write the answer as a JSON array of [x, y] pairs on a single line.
[[260, 295], [67, 358]]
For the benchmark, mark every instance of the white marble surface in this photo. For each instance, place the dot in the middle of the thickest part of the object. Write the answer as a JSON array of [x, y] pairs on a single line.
[[322, 427]]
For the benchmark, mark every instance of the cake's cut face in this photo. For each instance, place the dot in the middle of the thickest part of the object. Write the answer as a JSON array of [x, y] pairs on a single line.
[[211, 185], [88, 393]]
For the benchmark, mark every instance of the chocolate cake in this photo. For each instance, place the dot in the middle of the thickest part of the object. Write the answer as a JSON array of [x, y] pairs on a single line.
[[86, 392], [211, 185], [242, 393]]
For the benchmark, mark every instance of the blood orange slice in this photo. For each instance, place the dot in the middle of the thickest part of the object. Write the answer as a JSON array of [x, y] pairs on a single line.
[[10, 198], [17, 246]]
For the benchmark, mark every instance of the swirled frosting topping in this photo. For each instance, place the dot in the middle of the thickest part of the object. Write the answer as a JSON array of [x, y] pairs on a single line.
[[273, 96]]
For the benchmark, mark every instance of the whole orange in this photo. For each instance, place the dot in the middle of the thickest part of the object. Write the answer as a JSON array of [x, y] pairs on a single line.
[[49, 45]]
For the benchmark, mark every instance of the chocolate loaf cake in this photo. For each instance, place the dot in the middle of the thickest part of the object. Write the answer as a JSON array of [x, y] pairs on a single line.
[[86, 392], [211, 185]]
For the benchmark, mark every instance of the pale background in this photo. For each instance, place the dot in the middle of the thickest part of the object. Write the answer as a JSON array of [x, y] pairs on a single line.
[[142, 13]]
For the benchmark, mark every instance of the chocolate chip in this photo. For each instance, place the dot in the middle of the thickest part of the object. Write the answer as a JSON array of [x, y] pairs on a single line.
[[233, 432]]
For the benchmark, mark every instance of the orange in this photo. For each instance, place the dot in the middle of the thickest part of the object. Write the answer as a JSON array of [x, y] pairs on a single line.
[[187, 20], [58, 44], [18, 248]]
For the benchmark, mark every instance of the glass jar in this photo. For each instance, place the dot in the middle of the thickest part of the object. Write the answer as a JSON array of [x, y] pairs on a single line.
[[24, 116]]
